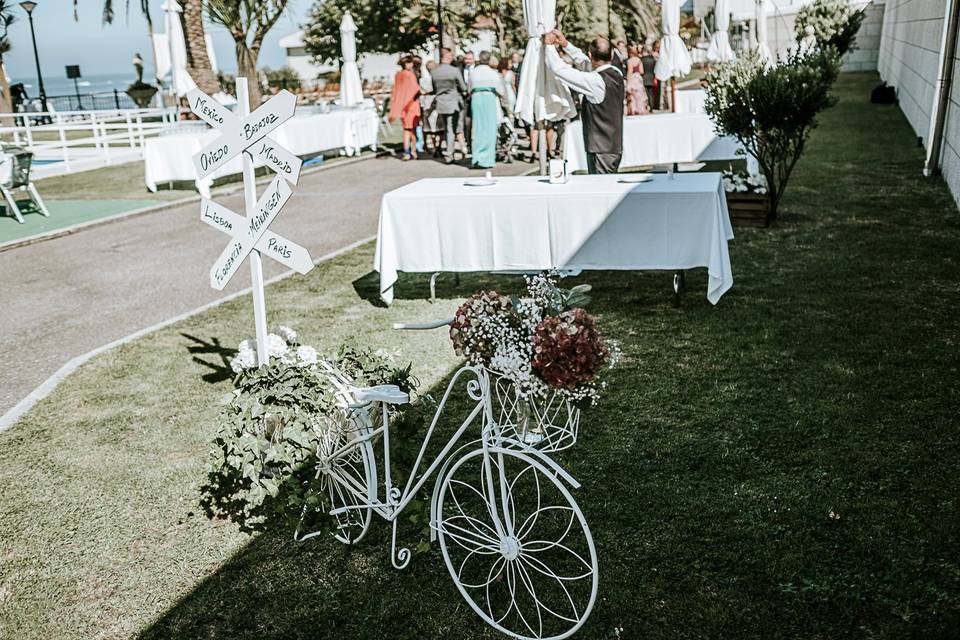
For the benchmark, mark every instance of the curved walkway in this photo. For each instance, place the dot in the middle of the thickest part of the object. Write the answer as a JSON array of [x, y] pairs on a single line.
[[68, 296]]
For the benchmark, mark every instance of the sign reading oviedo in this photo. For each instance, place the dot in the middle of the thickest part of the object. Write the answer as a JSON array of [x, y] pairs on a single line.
[[251, 232]]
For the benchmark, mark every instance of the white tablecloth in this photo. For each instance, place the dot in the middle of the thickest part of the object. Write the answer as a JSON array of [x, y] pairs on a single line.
[[691, 101], [663, 138], [169, 157], [523, 224]]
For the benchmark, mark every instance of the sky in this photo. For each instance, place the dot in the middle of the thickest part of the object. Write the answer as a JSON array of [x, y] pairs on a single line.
[[100, 49]]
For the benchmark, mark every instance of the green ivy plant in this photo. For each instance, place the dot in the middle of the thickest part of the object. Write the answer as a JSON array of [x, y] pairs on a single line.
[[772, 108], [262, 458]]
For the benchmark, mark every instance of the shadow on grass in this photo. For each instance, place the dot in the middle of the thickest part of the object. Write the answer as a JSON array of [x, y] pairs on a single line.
[[780, 466], [219, 364]]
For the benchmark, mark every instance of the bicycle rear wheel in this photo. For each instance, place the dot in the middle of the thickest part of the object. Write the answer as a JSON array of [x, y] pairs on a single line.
[[517, 545]]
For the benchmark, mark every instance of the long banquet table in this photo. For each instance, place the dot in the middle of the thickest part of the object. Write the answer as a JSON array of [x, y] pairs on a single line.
[[663, 138], [169, 157], [528, 224]]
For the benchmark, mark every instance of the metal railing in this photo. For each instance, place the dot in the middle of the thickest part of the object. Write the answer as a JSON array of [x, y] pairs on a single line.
[[72, 137]]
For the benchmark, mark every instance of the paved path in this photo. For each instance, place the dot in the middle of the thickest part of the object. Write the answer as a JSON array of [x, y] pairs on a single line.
[[64, 297]]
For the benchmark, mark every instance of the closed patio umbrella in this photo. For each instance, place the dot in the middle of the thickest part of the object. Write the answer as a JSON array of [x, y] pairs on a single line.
[[174, 61], [674, 60], [351, 88], [763, 49], [720, 50], [541, 97]]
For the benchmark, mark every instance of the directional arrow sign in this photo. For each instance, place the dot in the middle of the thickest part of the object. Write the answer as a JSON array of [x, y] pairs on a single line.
[[266, 150], [239, 134], [287, 253], [255, 226]]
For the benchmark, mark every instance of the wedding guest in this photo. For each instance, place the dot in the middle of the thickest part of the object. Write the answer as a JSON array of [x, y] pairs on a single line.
[[418, 72], [405, 106], [636, 94], [603, 98], [486, 89], [430, 119], [448, 87], [649, 79], [467, 65], [509, 85], [620, 55]]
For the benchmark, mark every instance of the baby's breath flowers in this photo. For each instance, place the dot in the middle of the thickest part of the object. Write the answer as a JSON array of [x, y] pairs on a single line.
[[543, 343]]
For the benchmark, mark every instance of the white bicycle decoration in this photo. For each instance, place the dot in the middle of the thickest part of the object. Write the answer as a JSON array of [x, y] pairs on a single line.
[[512, 536]]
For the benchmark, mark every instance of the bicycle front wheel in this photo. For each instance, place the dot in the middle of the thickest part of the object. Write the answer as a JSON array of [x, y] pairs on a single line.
[[517, 545]]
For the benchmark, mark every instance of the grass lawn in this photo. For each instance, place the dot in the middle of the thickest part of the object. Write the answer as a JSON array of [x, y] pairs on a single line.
[[825, 381]]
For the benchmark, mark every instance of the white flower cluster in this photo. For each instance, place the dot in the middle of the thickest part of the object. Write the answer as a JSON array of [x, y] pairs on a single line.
[[739, 182], [281, 345]]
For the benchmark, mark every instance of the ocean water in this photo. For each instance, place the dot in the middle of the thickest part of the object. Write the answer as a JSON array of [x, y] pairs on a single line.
[[58, 85]]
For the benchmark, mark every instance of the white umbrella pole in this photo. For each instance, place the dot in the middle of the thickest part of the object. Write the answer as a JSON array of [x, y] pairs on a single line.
[[542, 133]]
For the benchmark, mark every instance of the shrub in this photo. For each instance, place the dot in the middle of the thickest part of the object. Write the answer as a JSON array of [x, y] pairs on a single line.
[[771, 109], [282, 78], [835, 23]]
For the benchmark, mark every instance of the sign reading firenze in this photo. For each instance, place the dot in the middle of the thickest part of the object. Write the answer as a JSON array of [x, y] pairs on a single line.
[[251, 232]]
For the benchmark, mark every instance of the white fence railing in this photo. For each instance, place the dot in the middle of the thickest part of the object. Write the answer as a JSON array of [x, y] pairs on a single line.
[[79, 137]]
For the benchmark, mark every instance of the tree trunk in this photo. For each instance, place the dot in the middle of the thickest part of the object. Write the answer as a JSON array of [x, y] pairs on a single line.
[[198, 62], [247, 68]]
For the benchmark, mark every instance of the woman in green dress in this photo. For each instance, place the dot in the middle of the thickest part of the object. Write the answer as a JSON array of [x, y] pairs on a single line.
[[486, 90]]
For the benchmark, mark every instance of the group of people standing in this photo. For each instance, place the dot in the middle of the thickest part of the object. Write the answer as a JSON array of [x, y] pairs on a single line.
[[437, 109], [471, 95]]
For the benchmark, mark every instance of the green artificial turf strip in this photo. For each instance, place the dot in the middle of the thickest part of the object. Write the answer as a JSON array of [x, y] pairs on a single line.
[[825, 381], [63, 214]]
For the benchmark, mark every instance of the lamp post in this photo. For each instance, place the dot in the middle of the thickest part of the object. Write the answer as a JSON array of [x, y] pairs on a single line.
[[29, 7]]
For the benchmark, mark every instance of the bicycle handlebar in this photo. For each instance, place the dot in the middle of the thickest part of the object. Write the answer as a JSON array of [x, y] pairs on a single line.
[[421, 326]]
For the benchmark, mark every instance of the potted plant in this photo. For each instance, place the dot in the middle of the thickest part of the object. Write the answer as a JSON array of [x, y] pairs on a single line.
[[771, 108], [748, 199]]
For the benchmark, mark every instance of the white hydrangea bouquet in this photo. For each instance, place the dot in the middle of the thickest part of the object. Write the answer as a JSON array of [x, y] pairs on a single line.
[[742, 182], [262, 457]]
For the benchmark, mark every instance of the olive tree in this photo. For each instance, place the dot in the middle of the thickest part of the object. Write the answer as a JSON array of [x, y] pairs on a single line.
[[771, 109]]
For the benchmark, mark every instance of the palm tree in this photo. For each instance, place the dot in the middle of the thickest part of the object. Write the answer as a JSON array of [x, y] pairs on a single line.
[[198, 62], [6, 19], [248, 22]]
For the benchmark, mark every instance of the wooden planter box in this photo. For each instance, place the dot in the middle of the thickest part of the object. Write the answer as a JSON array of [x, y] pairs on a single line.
[[749, 209]]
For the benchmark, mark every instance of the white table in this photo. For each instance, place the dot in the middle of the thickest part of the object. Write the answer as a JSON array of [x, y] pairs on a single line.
[[691, 101], [663, 138], [524, 224], [168, 157]]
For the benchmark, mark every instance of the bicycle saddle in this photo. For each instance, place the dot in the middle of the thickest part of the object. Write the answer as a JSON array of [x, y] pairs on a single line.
[[388, 393]]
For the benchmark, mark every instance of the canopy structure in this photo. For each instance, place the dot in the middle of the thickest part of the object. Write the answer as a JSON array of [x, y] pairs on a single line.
[[763, 48], [351, 88], [720, 50], [541, 96], [674, 59], [171, 51]]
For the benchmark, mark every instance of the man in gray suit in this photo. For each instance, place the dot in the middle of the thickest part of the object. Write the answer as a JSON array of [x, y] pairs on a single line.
[[449, 87]]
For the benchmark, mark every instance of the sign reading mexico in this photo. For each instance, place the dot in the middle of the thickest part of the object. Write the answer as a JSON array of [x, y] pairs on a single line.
[[249, 133], [251, 232]]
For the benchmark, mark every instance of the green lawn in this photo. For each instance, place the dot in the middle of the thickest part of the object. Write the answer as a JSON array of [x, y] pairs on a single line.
[[825, 381]]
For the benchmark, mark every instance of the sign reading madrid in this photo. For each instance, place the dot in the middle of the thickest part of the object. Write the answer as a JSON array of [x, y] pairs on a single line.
[[249, 133], [251, 232]]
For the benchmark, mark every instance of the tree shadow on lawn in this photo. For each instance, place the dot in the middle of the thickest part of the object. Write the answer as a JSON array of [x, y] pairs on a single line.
[[220, 366], [727, 438]]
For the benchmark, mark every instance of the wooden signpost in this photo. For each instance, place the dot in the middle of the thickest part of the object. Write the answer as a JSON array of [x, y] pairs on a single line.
[[248, 133]]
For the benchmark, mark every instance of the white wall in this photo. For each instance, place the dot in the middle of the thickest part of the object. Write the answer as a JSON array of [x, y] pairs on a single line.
[[909, 54], [910, 61]]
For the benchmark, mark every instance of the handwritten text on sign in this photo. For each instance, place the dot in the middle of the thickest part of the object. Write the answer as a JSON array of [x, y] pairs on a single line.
[[239, 134], [254, 228], [287, 253]]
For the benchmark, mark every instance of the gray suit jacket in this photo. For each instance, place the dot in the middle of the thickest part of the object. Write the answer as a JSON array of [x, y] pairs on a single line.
[[448, 86]]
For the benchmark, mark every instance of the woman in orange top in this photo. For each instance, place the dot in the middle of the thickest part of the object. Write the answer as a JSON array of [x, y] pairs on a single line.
[[404, 104]]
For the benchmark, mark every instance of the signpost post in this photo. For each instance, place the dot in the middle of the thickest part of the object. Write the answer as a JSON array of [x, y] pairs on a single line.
[[246, 133]]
